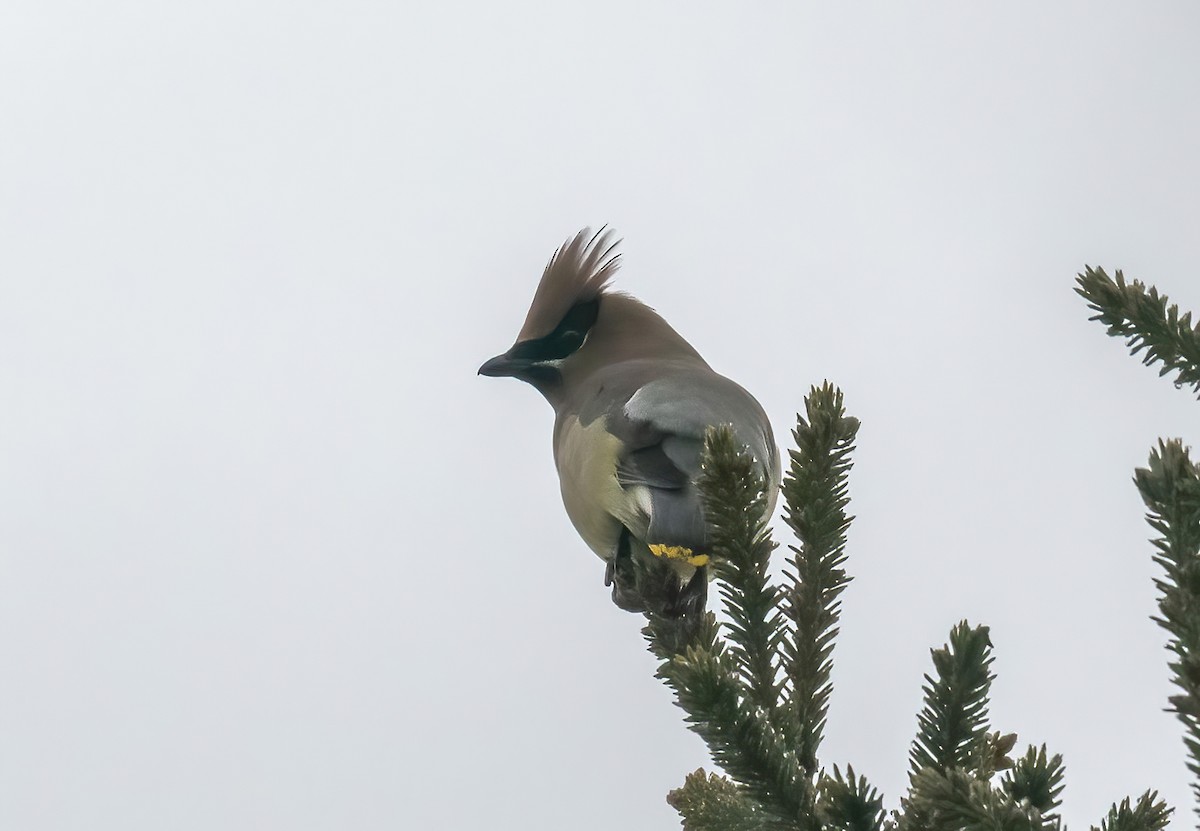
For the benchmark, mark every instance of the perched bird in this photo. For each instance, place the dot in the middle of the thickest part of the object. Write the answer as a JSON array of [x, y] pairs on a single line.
[[632, 401]]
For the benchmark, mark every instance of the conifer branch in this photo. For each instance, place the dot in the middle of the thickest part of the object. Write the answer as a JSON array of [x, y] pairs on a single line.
[[815, 499], [765, 732], [1037, 780], [849, 804], [713, 803], [1170, 487], [955, 800], [953, 757], [732, 692], [992, 755], [1150, 814], [1144, 319], [952, 726], [740, 737], [735, 504]]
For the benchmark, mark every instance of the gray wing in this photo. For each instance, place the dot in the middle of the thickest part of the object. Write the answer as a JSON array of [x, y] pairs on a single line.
[[665, 423]]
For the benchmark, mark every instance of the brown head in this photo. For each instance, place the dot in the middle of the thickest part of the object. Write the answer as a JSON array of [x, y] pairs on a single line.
[[576, 324]]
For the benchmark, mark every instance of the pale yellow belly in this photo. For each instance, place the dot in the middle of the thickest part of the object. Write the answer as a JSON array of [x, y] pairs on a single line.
[[596, 503]]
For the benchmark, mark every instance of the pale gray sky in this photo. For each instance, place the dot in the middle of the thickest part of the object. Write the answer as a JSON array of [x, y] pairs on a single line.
[[272, 556]]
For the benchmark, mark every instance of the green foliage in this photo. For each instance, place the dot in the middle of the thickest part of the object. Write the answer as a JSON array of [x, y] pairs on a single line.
[[815, 496], [1037, 780], [1150, 814], [956, 800], [758, 692], [762, 729], [735, 502], [1144, 319], [954, 757], [953, 723], [713, 803], [742, 741], [848, 804], [1170, 487]]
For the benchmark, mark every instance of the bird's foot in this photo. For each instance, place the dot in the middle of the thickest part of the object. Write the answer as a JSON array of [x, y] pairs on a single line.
[[619, 573], [624, 593]]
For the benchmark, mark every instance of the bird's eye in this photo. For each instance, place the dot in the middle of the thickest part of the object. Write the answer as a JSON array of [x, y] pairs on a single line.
[[571, 340], [565, 339]]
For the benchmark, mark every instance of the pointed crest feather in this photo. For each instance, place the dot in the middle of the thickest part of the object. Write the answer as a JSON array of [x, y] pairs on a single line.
[[579, 270]]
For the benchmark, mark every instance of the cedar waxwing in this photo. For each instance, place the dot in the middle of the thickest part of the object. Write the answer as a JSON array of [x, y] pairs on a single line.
[[632, 400]]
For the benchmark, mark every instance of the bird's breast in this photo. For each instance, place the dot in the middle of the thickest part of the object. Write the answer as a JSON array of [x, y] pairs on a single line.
[[586, 457]]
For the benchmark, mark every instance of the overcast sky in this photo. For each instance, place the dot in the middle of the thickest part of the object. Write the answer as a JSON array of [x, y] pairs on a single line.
[[272, 556]]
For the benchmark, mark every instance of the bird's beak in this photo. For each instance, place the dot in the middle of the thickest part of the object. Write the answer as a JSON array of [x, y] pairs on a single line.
[[503, 366]]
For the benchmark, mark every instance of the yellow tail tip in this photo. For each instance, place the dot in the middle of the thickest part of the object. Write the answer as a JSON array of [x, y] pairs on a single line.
[[679, 552]]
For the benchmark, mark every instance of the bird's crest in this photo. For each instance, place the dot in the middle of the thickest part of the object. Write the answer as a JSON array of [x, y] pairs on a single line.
[[578, 271]]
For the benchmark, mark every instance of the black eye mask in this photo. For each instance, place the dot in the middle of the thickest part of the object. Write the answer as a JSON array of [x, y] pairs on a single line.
[[567, 337]]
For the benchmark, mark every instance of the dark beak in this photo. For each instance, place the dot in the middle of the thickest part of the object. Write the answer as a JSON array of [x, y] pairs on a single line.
[[503, 366]]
